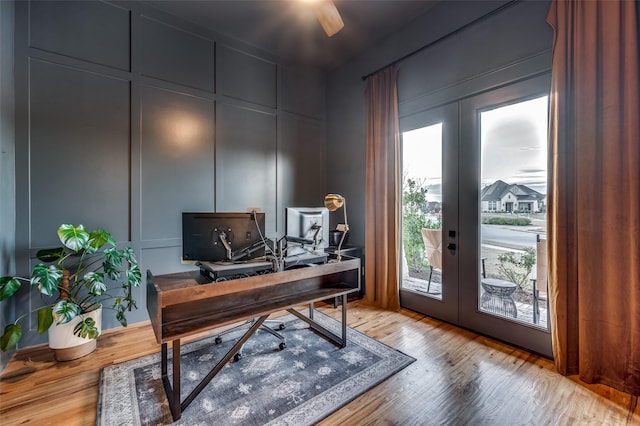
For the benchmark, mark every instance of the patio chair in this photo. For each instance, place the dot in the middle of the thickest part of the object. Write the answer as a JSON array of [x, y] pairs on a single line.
[[432, 239], [539, 278]]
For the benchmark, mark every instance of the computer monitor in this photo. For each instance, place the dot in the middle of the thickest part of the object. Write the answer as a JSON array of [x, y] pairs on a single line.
[[222, 236], [307, 229]]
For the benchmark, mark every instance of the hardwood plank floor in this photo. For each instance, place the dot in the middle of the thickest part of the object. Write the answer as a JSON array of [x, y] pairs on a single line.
[[459, 378]]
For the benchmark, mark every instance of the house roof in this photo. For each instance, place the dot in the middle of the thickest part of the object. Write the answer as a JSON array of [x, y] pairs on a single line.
[[498, 189]]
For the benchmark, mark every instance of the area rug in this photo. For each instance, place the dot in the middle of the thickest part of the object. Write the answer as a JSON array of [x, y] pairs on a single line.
[[300, 385]]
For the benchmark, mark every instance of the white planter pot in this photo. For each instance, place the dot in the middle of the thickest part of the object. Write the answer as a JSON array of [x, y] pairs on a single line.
[[68, 346]]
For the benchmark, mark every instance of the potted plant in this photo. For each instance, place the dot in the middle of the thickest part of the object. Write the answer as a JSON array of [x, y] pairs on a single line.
[[75, 282]]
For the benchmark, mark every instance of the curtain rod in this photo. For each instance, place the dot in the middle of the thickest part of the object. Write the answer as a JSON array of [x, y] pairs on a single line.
[[467, 25]]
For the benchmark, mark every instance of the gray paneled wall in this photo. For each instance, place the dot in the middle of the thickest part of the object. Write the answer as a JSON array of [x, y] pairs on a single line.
[[7, 166], [245, 77], [78, 150], [301, 149], [177, 160], [127, 116], [177, 56], [246, 150], [91, 31]]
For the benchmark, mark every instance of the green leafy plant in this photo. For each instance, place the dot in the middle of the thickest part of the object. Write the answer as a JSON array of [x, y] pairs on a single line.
[[72, 282], [414, 218], [517, 267]]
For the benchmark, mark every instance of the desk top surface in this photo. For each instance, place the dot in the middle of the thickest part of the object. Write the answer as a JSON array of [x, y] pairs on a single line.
[[193, 281]]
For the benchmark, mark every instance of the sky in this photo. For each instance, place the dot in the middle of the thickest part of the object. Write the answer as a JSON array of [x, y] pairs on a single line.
[[514, 144]]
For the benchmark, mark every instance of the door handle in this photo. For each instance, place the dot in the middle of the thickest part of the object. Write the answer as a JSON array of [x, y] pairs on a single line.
[[451, 246]]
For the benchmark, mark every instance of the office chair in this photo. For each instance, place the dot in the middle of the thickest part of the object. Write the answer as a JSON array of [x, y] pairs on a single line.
[[264, 327]]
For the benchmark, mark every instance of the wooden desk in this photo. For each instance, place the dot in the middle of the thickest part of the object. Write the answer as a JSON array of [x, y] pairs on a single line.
[[186, 303]]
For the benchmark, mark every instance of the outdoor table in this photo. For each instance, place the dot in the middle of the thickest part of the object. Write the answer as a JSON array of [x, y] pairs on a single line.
[[497, 297]]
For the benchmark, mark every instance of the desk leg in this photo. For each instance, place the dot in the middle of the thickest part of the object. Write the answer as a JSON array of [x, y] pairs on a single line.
[[176, 376], [339, 341], [173, 392], [163, 359], [344, 320]]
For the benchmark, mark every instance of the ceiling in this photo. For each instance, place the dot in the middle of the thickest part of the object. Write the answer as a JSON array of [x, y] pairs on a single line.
[[290, 30]]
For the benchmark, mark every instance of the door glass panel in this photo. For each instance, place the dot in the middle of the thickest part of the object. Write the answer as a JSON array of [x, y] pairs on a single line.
[[513, 227], [422, 210]]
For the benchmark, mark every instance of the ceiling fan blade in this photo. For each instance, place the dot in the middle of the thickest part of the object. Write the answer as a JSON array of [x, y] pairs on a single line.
[[328, 16]]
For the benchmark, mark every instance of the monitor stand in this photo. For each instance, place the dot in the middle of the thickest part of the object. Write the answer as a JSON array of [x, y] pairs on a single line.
[[217, 271], [305, 259]]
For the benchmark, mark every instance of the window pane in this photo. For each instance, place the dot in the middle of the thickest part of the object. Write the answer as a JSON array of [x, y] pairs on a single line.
[[513, 211], [422, 210]]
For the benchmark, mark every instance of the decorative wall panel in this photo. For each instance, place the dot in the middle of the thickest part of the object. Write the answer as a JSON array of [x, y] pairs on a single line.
[[302, 91], [89, 30], [177, 56], [301, 162], [165, 260], [79, 151], [246, 161], [177, 160], [245, 77]]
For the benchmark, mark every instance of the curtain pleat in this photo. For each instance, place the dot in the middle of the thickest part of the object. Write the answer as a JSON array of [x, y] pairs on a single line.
[[382, 253], [594, 192]]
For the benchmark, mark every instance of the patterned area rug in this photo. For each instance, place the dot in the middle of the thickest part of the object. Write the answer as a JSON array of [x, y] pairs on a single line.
[[300, 385]]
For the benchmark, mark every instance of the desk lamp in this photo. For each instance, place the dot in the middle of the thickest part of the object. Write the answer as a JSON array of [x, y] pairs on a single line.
[[333, 202]]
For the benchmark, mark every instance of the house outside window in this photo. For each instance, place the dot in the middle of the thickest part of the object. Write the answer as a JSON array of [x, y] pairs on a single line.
[[493, 206]]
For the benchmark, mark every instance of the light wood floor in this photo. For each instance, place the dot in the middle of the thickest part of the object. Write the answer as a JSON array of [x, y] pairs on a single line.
[[459, 378]]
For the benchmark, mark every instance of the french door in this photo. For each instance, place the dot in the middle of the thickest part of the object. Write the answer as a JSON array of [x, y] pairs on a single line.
[[429, 281], [474, 213]]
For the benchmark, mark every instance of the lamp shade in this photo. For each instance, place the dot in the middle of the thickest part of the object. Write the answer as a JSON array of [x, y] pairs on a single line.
[[333, 201]]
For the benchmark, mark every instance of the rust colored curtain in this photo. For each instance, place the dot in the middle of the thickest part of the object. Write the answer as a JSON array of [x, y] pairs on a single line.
[[594, 192], [382, 221]]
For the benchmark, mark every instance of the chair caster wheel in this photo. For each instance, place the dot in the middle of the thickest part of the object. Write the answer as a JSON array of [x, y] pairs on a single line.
[[218, 340], [282, 326], [237, 357], [282, 345]]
